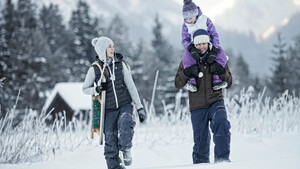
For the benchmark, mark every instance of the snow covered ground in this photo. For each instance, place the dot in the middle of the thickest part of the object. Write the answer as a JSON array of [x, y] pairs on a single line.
[[169, 147], [265, 135]]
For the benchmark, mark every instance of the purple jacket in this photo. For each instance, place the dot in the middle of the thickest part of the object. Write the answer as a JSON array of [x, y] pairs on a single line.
[[186, 37]]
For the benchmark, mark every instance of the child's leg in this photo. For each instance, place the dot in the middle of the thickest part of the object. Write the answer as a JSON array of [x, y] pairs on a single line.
[[191, 85], [192, 81], [216, 79], [222, 60], [221, 57], [218, 83], [187, 59]]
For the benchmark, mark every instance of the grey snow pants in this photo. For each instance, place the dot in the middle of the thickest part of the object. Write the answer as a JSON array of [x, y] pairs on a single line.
[[118, 131]]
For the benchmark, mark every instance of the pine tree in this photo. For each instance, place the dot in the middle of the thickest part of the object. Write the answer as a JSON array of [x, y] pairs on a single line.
[[242, 77], [84, 29], [293, 65], [3, 66], [137, 57], [38, 73], [52, 27], [29, 53], [162, 49], [242, 71], [140, 71], [257, 84], [163, 60], [26, 14], [6, 31], [9, 16], [60, 41], [18, 25], [118, 32], [278, 81]]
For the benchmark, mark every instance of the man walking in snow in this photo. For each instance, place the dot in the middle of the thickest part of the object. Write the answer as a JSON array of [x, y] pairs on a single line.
[[207, 105]]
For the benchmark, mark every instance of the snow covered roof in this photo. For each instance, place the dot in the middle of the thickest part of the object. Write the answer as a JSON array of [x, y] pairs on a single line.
[[71, 92]]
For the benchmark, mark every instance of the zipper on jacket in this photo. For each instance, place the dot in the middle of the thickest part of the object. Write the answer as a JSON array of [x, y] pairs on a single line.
[[113, 78], [205, 85]]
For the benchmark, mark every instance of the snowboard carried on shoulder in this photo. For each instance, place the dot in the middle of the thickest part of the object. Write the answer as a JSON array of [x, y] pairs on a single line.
[[98, 110]]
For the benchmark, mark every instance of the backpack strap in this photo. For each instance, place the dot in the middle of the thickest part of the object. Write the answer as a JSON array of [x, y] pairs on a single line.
[[126, 65], [102, 76]]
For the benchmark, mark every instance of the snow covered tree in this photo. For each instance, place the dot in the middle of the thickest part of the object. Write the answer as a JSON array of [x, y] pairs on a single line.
[[163, 60], [84, 29], [27, 14], [242, 77], [60, 41], [278, 82], [52, 27], [28, 52], [137, 64], [38, 78], [241, 72], [118, 32], [162, 49], [19, 27], [7, 20], [140, 72], [9, 16], [293, 65]]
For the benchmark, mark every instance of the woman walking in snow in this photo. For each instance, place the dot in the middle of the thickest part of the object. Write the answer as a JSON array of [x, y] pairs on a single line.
[[120, 92], [206, 105]]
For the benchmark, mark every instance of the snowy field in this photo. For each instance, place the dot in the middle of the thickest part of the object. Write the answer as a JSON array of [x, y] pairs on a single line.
[[265, 135], [165, 151]]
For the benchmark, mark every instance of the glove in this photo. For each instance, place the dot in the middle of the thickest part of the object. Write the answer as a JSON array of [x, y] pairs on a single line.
[[102, 87], [191, 71], [216, 69], [211, 57], [142, 115], [193, 51]]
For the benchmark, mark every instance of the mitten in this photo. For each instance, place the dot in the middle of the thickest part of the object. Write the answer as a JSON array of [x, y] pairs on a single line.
[[142, 115], [102, 87], [193, 51], [212, 54], [191, 71], [216, 69]]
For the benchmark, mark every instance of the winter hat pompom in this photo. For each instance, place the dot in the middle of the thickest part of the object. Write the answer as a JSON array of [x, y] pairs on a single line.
[[187, 1], [201, 36], [100, 44], [94, 41], [189, 9]]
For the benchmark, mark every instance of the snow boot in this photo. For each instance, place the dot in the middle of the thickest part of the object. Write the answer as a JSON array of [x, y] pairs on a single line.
[[220, 85], [190, 87], [122, 167], [127, 157], [226, 160]]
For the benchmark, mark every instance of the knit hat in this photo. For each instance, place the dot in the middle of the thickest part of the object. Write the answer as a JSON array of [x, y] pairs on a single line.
[[201, 36], [100, 44], [189, 9]]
